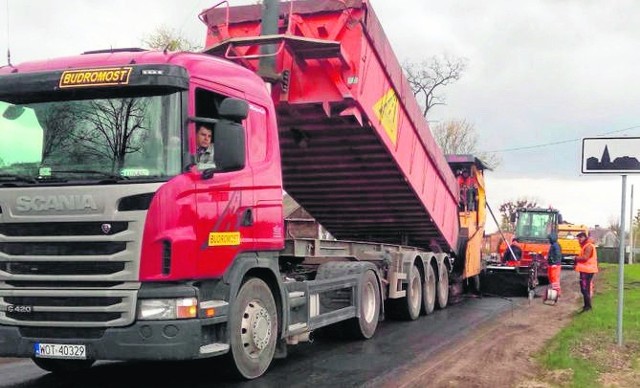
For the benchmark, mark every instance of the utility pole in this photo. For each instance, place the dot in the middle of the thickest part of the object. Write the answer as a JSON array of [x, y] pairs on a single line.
[[631, 230], [621, 262]]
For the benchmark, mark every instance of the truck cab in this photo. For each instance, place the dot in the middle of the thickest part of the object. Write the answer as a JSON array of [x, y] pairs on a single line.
[[108, 226]]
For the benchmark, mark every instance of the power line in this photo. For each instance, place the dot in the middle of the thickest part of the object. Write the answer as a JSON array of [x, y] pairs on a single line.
[[558, 142], [189, 15]]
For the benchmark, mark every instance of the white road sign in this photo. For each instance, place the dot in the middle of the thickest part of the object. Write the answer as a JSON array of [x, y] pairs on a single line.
[[611, 155]]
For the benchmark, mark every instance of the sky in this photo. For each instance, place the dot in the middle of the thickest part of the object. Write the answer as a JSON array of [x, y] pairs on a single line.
[[541, 75]]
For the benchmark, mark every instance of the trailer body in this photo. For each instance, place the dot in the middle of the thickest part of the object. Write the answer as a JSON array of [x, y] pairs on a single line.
[[356, 151]]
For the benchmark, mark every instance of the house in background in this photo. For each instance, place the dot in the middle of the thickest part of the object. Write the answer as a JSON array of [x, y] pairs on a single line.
[[298, 223], [491, 242], [604, 237]]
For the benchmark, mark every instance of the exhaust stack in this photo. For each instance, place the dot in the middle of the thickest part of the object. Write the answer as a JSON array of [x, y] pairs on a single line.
[[269, 26]]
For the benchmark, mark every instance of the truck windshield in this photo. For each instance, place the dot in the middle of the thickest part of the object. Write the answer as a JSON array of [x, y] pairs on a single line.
[[131, 138], [533, 225]]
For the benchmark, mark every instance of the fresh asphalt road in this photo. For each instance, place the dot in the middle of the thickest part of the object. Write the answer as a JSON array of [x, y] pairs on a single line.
[[396, 347]]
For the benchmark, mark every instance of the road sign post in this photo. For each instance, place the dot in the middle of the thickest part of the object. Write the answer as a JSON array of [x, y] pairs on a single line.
[[621, 156]]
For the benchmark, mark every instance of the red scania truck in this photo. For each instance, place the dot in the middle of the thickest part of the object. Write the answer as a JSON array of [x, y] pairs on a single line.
[[116, 245]]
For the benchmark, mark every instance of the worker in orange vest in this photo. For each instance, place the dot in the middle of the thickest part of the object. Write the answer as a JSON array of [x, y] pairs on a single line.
[[554, 262], [587, 266]]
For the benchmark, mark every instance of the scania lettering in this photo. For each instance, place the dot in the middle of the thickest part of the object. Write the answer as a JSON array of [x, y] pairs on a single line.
[[55, 202], [122, 247]]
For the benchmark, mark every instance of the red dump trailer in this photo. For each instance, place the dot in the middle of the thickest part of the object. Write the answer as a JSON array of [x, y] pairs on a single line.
[[356, 150], [118, 243]]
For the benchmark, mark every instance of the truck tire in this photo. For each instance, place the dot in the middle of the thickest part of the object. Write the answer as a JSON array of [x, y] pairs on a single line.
[[364, 326], [429, 291], [442, 291], [62, 366], [408, 308], [253, 329]]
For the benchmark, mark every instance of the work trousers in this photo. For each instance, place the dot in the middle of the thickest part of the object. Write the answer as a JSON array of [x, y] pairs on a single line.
[[585, 288]]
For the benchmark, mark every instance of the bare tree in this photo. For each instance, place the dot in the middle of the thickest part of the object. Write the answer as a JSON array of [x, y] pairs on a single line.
[[428, 77], [614, 226], [635, 224], [165, 38], [117, 129], [460, 137], [59, 123], [508, 210]]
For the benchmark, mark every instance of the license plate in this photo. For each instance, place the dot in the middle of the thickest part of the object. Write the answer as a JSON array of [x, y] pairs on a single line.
[[64, 351]]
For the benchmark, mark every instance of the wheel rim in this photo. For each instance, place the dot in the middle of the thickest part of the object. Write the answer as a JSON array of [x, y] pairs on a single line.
[[443, 287], [431, 289], [369, 302], [255, 330], [415, 292], [444, 282]]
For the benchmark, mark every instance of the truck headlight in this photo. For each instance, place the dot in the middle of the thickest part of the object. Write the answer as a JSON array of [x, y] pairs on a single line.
[[157, 309]]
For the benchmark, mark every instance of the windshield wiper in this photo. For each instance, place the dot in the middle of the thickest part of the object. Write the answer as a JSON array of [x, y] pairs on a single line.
[[18, 178], [103, 173]]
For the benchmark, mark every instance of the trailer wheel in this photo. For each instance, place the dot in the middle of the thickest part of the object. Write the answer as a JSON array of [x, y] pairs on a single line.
[[443, 289], [408, 307], [364, 326], [62, 366], [429, 291], [253, 329]]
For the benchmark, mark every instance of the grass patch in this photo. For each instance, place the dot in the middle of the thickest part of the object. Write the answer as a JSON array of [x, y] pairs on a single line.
[[586, 350]]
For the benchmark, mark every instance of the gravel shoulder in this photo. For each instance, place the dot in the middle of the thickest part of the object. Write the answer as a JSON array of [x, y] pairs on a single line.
[[500, 352]]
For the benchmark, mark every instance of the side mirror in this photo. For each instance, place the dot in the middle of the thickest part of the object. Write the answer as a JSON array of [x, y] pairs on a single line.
[[229, 146], [233, 109], [512, 218]]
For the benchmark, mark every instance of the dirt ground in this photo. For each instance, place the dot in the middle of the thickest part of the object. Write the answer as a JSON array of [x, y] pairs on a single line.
[[500, 353]]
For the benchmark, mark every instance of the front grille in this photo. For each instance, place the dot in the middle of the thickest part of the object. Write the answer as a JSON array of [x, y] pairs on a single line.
[[56, 307], [62, 301], [64, 317], [62, 248], [63, 228], [61, 268], [75, 284], [60, 333], [76, 277]]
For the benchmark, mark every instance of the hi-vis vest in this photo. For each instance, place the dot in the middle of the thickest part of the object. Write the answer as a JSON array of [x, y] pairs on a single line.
[[591, 264]]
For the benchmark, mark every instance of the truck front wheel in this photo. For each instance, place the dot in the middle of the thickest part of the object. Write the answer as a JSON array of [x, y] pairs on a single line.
[[253, 329]]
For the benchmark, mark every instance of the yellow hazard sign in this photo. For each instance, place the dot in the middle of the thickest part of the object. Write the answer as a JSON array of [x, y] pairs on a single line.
[[217, 239], [95, 77], [386, 110]]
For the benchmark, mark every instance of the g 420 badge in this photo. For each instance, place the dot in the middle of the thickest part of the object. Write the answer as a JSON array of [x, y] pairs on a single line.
[[19, 308]]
